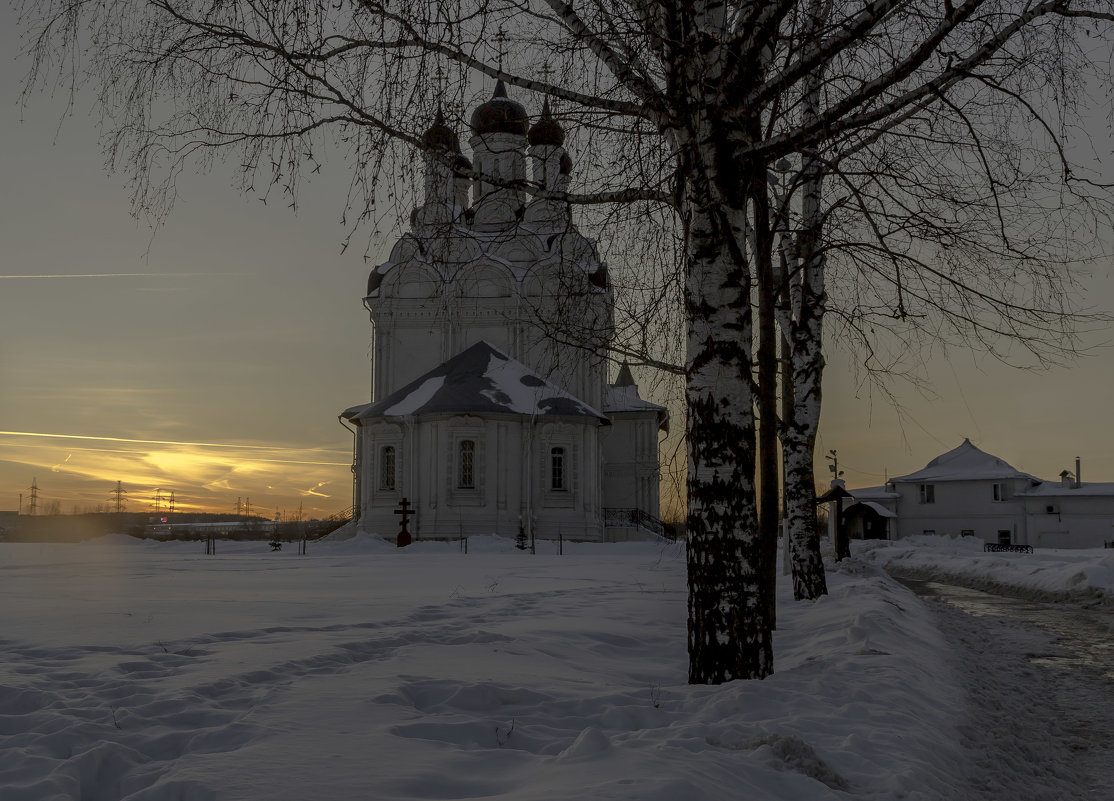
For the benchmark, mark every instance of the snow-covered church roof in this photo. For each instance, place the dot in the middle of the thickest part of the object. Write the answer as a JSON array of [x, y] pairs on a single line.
[[479, 380], [964, 463], [622, 396]]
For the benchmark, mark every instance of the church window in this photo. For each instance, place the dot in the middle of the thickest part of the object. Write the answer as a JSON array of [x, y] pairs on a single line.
[[387, 468], [928, 493], [557, 468], [1000, 492], [466, 476]]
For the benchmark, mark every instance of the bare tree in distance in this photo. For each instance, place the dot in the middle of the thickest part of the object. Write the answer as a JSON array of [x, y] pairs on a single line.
[[680, 112]]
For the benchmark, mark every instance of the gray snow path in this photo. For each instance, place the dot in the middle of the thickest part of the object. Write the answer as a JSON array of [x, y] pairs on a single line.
[[1040, 681]]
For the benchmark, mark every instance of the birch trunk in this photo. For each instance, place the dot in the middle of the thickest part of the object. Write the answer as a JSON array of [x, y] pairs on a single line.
[[769, 480], [729, 626], [806, 361]]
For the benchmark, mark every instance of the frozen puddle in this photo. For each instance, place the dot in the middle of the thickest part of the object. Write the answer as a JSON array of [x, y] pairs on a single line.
[[1041, 680]]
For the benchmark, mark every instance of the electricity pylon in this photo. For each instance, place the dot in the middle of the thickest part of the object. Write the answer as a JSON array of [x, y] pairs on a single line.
[[119, 494]]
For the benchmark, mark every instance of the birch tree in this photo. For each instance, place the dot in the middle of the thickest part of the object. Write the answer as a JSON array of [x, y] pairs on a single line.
[[678, 110]]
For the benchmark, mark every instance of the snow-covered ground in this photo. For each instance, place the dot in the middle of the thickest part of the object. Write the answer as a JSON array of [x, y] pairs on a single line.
[[141, 670], [1081, 575]]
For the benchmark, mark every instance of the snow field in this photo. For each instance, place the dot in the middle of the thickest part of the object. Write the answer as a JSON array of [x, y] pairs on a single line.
[[143, 671]]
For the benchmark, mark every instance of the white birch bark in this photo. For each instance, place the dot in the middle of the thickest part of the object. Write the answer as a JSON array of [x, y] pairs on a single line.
[[804, 333], [729, 626]]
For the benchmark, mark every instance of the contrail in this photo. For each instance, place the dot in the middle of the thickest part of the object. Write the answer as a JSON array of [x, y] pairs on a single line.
[[165, 442], [94, 275]]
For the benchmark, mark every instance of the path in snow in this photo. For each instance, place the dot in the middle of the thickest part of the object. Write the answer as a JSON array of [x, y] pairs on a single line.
[[1041, 681]]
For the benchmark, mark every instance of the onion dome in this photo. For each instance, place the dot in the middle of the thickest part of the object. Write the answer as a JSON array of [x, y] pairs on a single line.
[[462, 166], [565, 166], [546, 131], [440, 136], [599, 277], [500, 115]]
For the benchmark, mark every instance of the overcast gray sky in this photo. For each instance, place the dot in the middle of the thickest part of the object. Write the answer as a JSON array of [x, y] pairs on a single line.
[[212, 357]]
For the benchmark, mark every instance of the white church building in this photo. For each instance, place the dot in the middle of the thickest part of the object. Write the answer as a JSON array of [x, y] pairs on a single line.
[[969, 492], [490, 409]]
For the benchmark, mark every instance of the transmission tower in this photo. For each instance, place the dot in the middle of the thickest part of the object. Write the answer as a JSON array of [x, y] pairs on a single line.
[[172, 502], [34, 496], [239, 505], [158, 500], [118, 494], [247, 506]]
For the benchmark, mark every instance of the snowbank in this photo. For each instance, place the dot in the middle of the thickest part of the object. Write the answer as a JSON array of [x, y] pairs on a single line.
[[149, 671], [1080, 575]]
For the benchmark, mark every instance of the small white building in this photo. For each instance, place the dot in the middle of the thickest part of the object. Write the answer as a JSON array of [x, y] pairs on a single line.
[[490, 410], [968, 492]]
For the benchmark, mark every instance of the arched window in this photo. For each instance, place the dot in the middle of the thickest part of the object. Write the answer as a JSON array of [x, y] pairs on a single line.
[[387, 468], [557, 468], [466, 467]]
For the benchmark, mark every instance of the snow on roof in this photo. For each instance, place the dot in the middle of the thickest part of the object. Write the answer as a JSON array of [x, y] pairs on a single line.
[[965, 463], [619, 398], [875, 493], [479, 380], [1055, 489], [877, 507]]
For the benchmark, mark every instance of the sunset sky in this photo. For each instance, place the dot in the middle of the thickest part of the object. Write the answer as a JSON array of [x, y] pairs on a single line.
[[211, 357]]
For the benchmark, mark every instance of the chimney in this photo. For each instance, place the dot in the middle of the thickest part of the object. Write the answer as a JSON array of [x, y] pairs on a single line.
[[1065, 479], [1078, 475]]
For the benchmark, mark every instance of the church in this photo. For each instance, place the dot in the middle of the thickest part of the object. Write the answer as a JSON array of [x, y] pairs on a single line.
[[491, 410]]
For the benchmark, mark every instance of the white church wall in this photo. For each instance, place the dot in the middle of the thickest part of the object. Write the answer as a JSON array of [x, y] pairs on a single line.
[[630, 463], [411, 350]]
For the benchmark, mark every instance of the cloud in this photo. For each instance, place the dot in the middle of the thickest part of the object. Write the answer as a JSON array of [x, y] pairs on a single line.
[[234, 446], [205, 475]]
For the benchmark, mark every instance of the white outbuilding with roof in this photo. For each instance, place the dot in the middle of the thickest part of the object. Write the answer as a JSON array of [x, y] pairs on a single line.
[[490, 410], [969, 492]]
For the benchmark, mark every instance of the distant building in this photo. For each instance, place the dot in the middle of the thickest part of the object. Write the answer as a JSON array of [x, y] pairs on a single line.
[[7, 520], [487, 415], [968, 492]]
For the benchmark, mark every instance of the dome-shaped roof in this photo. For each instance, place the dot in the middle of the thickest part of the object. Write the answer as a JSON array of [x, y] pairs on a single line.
[[565, 167], [462, 166], [440, 136], [546, 131], [500, 115]]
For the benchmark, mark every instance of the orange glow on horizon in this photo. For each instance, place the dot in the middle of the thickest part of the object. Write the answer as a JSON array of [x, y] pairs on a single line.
[[204, 476]]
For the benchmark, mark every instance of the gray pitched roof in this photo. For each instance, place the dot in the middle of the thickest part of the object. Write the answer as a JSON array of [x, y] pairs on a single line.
[[478, 380]]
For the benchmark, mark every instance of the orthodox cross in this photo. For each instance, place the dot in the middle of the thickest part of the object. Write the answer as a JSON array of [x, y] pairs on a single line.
[[501, 41], [546, 71], [403, 510]]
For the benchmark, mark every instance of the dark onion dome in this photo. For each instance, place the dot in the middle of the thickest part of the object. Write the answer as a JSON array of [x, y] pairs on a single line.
[[599, 277], [500, 115], [565, 167], [546, 131], [374, 281], [440, 136], [462, 166]]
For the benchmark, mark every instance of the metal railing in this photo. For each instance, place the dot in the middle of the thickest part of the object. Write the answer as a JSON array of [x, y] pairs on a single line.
[[635, 518], [993, 547]]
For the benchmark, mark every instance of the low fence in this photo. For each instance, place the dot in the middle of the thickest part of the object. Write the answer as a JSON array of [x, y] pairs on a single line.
[[993, 547]]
